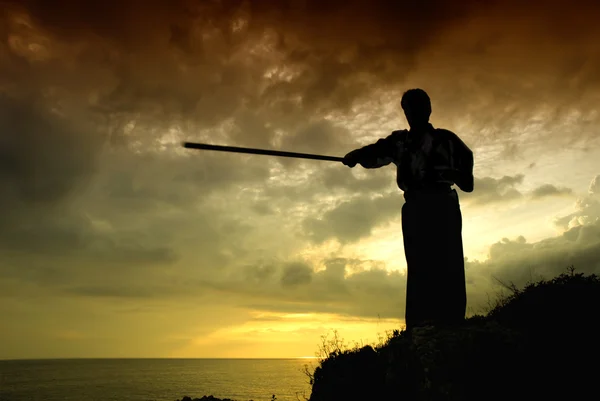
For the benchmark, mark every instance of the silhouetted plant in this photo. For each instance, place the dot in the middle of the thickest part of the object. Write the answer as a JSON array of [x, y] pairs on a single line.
[[572, 296]]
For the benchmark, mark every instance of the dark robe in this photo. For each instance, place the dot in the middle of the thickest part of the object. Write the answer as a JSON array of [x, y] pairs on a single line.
[[428, 163], [435, 288]]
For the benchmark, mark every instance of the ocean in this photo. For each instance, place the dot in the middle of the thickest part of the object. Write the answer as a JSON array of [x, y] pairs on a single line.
[[153, 379]]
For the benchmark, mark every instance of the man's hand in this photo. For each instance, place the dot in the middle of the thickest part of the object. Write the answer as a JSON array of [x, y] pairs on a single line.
[[464, 182], [352, 158]]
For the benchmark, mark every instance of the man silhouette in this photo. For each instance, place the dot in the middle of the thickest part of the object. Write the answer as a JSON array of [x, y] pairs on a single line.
[[429, 161]]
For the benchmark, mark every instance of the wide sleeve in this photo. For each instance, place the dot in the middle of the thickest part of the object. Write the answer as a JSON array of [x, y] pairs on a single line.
[[462, 162], [382, 152]]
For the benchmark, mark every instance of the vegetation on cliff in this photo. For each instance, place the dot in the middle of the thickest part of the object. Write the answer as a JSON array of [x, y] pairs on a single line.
[[540, 341]]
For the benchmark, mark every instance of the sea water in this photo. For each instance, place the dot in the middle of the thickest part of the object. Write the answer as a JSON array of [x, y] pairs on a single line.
[[154, 379]]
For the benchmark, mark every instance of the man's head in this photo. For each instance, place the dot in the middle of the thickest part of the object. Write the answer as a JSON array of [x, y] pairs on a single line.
[[417, 107]]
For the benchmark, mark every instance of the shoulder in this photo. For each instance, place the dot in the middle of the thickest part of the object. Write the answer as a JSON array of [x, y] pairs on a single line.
[[398, 135], [451, 137], [446, 134], [393, 138]]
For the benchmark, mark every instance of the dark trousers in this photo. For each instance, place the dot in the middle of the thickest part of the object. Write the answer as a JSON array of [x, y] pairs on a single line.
[[432, 230]]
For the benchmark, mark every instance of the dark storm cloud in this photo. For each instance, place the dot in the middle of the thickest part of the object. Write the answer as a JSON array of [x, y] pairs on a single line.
[[46, 160], [159, 64], [182, 59], [344, 50], [43, 156], [69, 235]]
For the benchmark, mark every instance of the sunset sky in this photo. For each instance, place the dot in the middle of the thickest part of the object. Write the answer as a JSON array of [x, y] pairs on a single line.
[[117, 242]]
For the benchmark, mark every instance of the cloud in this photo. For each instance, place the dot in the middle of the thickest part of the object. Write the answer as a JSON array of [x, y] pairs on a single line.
[[344, 284], [44, 157], [75, 235], [295, 275], [587, 209], [520, 261], [259, 66], [348, 287], [98, 201], [502, 190], [151, 181], [123, 292], [490, 190], [321, 137], [352, 220], [259, 273], [550, 190], [308, 184], [377, 181], [365, 288], [595, 185], [252, 129]]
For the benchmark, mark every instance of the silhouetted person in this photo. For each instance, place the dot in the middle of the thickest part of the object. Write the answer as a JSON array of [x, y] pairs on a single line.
[[429, 161]]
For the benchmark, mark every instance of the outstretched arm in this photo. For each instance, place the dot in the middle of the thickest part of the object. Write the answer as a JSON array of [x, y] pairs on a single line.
[[378, 154]]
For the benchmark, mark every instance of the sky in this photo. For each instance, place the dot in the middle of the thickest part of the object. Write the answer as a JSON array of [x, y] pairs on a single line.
[[117, 242]]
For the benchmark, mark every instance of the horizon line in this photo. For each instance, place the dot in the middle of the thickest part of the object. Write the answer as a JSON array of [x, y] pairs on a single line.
[[174, 358]]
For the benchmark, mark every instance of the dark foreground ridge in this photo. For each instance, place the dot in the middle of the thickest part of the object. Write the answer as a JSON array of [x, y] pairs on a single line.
[[540, 342]]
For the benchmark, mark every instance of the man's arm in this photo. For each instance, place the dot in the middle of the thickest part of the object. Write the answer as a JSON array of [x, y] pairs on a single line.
[[378, 154], [462, 164], [465, 179]]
